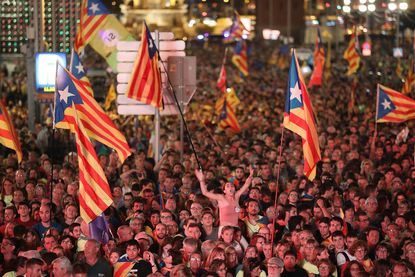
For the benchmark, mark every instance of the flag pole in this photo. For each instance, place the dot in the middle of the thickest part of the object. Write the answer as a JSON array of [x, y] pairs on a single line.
[[372, 148], [278, 183], [181, 113]]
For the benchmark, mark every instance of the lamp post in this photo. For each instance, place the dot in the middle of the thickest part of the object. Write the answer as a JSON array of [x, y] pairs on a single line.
[[397, 6]]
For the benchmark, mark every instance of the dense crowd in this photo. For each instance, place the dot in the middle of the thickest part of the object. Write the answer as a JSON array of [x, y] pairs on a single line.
[[250, 211]]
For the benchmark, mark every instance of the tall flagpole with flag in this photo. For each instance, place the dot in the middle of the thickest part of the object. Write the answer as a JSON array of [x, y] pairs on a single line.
[[145, 80], [317, 75], [94, 192], [299, 118]]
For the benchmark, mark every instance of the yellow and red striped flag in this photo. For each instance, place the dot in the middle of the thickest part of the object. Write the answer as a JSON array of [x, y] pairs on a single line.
[[101, 30], [393, 106], [8, 135], [221, 83], [122, 269], [236, 30], [352, 54], [89, 24], [227, 117], [94, 192], [240, 57], [299, 118], [111, 96], [410, 79], [317, 75], [97, 124], [78, 70], [145, 81]]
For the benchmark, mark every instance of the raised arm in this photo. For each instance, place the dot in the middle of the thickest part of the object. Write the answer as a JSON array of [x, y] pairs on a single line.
[[246, 185], [202, 181]]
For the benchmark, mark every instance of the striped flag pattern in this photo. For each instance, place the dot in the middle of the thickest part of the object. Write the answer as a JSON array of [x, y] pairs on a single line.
[[352, 55], [221, 83], [317, 75], [240, 57], [122, 269], [89, 23], [8, 135], [410, 79], [94, 192], [227, 117], [145, 81], [77, 69], [299, 118], [237, 28], [393, 106], [97, 124]]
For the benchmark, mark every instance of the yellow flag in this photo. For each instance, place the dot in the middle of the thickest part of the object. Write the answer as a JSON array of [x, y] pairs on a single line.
[[111, 96], [231, 98], [105, 39]]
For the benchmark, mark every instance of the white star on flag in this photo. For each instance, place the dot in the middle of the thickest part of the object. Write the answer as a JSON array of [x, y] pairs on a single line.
[[386, 105], [94, 8], [80, 68], [65, 94], [295, 93]]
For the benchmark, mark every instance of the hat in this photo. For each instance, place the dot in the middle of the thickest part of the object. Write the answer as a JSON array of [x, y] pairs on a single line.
[[143, 235], [276, 261]]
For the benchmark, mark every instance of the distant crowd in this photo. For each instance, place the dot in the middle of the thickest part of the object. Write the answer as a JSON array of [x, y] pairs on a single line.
[[250, 211]]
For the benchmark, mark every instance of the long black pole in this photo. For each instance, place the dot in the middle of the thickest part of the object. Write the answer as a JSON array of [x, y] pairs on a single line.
[[181, 113]]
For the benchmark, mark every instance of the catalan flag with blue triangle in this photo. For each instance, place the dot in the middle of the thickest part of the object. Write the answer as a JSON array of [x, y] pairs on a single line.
[[97, 124], [227, 117], [236, 30], [78, 70], [240, 57], [101, 30], [94, 191], [299, 118], [393, 106]]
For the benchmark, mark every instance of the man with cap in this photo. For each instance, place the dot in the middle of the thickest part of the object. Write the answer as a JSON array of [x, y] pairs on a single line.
[[275, 266]]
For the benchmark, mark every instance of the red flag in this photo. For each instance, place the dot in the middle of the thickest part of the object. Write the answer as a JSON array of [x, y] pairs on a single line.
[[317, 75], [145, 81], [8, 135], [221, 83]]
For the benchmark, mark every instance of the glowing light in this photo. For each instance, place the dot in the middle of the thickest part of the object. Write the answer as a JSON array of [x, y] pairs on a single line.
[[346, 9]]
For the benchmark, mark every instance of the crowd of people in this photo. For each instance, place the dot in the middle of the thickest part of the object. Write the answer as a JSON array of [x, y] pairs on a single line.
[[249, 210]]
